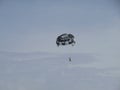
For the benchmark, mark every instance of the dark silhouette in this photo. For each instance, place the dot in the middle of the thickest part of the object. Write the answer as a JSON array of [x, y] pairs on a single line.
[[70, 59], [65, 39]]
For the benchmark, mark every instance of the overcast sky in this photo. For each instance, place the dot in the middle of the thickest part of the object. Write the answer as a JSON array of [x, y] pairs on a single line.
[[30, 26]]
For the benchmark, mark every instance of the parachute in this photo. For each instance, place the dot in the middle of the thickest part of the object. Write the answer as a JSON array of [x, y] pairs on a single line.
[[65, 39]]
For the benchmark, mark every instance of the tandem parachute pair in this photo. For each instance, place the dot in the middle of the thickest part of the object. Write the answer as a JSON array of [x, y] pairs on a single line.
[[65, 39]]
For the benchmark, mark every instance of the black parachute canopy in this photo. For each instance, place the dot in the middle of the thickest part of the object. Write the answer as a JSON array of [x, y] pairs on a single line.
[[65, 39]]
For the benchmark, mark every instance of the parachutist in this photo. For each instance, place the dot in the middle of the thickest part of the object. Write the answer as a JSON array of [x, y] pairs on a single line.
[[69, 59]]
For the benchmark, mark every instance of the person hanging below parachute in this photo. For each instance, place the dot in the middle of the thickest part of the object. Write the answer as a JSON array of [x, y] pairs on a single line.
[[65, 39]]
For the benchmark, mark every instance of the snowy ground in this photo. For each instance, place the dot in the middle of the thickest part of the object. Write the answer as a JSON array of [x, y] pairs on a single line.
[[49, 71]]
